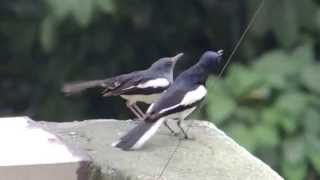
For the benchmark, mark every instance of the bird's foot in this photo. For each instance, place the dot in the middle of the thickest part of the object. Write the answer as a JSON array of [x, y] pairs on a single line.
[[187, 137], [175, 133]]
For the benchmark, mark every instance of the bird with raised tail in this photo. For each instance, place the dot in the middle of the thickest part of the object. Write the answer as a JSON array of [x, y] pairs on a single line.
[[178, 102], [139, 86]]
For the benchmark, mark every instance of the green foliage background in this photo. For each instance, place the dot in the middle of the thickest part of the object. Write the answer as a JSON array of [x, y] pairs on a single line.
[[268, 100]]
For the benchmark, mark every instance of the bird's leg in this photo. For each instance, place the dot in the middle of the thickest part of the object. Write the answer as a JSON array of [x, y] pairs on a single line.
[[182, 130], [170, 129], [138, 110], [130, 106]]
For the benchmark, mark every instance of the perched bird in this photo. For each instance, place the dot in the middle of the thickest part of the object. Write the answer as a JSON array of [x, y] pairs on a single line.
[[180, 100], [138, 86]]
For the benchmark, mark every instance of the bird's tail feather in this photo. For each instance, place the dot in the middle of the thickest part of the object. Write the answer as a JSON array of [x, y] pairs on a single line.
[[139, 135], [77, 87]]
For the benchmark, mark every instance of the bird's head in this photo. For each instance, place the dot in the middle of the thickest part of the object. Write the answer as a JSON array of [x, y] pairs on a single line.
[[211, 59], [167, 63]]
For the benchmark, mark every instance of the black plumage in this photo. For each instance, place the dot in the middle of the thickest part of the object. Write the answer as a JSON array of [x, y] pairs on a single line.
[[181, 99], [138, 86]]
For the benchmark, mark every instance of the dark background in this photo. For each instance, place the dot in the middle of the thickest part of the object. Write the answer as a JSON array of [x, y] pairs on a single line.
[[268, 100]]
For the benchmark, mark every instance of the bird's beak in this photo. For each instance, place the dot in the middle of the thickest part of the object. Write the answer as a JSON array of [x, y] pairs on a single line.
[[176, 57]]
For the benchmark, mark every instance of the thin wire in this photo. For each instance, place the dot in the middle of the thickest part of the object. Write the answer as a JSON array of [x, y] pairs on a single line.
[[253, 19], [170, 158]]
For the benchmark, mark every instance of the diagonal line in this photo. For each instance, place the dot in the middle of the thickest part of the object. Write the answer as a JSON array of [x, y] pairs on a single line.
[[170, 158], [253, 19]]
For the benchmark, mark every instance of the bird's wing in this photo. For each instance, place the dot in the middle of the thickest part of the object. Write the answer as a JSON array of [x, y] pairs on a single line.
[[120, 82], [177, 98], [138, 83]]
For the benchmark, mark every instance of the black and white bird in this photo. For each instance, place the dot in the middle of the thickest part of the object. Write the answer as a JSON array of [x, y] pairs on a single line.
[[139, 86], [179, 101]]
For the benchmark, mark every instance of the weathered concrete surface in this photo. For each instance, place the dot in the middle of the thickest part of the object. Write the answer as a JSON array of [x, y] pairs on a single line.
[[28, 152], [211, 155]]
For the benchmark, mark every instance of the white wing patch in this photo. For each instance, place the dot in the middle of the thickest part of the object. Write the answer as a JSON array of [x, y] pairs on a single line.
[[194, 96], [189, 98], [160, 82]]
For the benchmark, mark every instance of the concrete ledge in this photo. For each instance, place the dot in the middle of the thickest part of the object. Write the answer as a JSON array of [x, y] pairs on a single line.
[[28, 152], [211, 155]]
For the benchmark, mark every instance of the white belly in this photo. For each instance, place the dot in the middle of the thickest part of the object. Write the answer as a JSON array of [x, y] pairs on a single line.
[[148, 99]]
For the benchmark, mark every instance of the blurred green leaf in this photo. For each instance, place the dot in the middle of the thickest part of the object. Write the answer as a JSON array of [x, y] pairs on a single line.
[[311, 122], [294, 149], [48, 30], [293, 164], [106, 6], [220, 104], [293, 103], [263, 25], [23, 40], [275, 66], [303, 55], [266, 136], [281, 63], [285, 23], [278, 117], [271, 116], [317, 18], [313, 149], [293, 171], [262, 93], [289, 123], [291, 106], [315, 101], [269, 155], [60, 8], [304, 14], [245, 114], [82, 11], [310, 77], [242, 135], [286, 109], [243, 79]]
